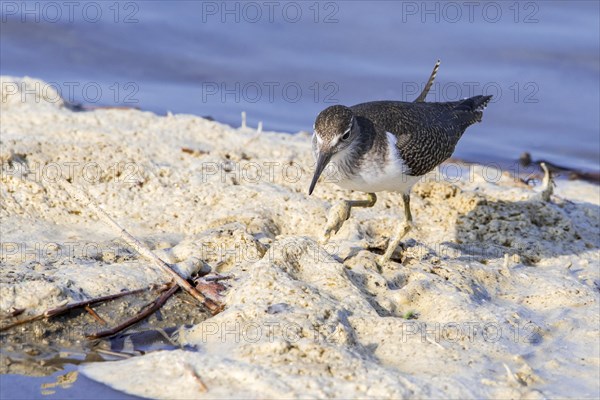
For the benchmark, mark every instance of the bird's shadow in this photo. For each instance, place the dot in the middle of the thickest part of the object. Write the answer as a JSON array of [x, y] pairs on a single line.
[[531, 229]]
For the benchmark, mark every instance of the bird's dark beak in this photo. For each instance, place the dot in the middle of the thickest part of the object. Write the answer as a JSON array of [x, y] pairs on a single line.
[[322, 161]]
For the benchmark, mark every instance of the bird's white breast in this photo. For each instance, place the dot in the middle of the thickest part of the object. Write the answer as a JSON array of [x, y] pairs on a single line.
[[377, 175]]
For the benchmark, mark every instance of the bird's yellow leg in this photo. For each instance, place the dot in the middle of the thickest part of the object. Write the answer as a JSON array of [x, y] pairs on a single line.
[[340, 212], [403, 229]]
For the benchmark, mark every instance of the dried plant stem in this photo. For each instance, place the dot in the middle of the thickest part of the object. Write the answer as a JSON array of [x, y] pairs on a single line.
[[138, 246], [547, 183], [95, 315], [68, 307], [149, 309], [217, 278], [196, 377]]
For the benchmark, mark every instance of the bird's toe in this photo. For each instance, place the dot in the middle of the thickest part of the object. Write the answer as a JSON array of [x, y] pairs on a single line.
[[338, 214], [332, 227]]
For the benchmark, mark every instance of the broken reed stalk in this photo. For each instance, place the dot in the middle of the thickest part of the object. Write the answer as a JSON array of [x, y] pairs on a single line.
[[196, 377], [547, 183], [94, 315], [52, 312], [138, 246], [148, 310], [217, 278]]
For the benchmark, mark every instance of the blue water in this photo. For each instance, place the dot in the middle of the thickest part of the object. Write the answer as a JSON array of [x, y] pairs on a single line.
[[19, 387], [282, 62]]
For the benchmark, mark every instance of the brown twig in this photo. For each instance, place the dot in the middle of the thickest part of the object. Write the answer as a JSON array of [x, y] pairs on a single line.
[[217, 277], [11, 314], [16, 312], [52, 312], [193, 152], [95, 315], [21, 322], [138, 246], [196, 377], [149, 309]]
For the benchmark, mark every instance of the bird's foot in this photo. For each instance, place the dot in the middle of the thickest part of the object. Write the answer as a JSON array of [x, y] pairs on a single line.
[[338, 214], [395, 241]]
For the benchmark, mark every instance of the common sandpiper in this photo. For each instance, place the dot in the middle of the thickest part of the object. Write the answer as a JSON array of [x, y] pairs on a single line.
[[388, 146]]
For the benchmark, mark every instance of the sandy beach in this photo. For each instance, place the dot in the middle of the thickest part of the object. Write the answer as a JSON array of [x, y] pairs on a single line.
[[496, 294]]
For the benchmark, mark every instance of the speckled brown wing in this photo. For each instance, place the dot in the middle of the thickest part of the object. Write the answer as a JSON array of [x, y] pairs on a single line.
[[426, 133]]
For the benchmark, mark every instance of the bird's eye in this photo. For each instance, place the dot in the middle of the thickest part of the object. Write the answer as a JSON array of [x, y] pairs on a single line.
[[346, 135]]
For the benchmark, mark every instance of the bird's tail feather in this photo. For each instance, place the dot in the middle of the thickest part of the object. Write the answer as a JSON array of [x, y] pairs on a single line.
[[471, 110], [423, 94]]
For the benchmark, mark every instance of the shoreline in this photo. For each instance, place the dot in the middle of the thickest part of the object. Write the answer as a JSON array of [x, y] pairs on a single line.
[[524, 167], [494, 295]]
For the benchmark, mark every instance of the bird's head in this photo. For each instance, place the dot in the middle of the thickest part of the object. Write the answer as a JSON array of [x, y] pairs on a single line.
[[335, 129]]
